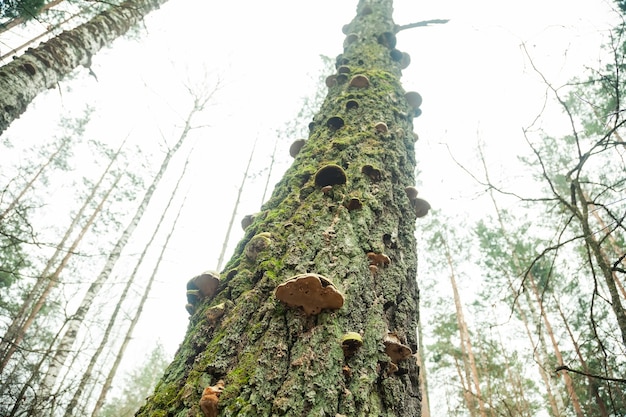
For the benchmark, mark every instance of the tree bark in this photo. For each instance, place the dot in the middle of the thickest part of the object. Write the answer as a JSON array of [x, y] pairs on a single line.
[[43, 67], [276, 360]]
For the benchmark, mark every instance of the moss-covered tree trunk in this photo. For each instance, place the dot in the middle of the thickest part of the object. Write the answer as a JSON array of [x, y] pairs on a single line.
[[357, 231]]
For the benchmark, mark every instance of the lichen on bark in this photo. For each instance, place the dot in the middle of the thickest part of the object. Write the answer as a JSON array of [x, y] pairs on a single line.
[[276, 360]]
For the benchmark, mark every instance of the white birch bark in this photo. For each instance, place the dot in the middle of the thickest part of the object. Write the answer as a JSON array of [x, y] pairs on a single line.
[[44, 66]]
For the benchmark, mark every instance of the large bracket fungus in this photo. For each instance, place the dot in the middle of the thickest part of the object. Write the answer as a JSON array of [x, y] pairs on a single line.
[[330, 175], [207, 283], [378, 259], [210, 399], [311, 292], [335, 123]]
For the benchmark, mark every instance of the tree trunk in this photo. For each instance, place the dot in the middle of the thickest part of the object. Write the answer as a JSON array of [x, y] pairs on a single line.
[[593, 382], [134, 320], [469, 359], [569, 384], [130, 281], [44, 66], [220, 260], [74, 321], [341, 211]]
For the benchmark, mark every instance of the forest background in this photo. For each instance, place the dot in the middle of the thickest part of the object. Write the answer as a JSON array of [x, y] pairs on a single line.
[[491, 79]]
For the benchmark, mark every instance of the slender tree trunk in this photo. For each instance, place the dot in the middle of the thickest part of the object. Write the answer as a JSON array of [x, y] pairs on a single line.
[[593, 383], [130, 281], [466, 343], [340, 211], [35, 177], [234, 212], [75, 320], [569, 384], [45, 282], [43, 67], [601, 261], [134, 320], [423, 377]]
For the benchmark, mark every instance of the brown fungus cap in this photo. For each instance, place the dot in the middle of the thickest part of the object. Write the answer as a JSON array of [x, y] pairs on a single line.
[[395, 349], [411, 192], [420, 206], [295, 147], [330, 175], [312, 292], [207, 283], [413, 99], [359, 81]]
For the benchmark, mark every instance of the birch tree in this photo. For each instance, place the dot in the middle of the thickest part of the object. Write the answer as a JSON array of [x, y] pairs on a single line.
[[42, 67], [75, 321]]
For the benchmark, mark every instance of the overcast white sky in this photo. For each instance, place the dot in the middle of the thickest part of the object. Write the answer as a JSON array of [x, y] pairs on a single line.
[[471, 72]]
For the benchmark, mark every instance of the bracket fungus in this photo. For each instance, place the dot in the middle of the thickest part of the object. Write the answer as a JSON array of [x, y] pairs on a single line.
[[414, 100], [257, 244], [352, 105], [381, 127], [378, 259], [207, 283], [387, 39], [359, 81], [395, 55], [420, 206], [411, 192], [312, 292], [350, 343], [335, 123], [296, 146], [330, 175], [214, 313], [395, 349], [199, 287], [405, 61], [247, 220], [354, 204], [373, 173], [350, 39], [343, 69], [331, 81], [210, 398]]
